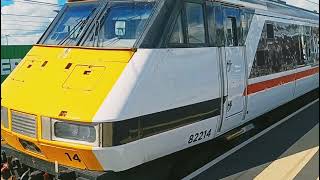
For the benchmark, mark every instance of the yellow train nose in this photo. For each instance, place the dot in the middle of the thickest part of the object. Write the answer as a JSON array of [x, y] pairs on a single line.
[[77, 156], [64, 83], [75, 81]]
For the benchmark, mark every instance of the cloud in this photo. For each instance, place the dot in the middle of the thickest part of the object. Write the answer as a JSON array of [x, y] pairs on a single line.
[[305, 4], [25, 29]]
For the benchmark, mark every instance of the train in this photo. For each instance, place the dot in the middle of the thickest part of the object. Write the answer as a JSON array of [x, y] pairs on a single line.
[[114, 84]]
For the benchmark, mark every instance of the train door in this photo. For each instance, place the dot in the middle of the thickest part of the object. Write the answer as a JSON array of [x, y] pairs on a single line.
[[233, 57]]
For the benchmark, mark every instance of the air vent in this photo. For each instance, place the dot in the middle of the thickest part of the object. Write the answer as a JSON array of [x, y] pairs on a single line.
[[24, 124]]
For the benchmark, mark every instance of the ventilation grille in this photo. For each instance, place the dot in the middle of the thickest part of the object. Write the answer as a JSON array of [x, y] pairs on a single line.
[[24, 124]]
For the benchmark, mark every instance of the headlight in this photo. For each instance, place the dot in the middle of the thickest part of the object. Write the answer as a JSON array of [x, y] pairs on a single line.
[[77, 132], [81, 133], [4, 117]]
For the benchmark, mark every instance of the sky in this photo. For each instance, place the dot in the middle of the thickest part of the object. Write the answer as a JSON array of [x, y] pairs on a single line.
[[24, 21]]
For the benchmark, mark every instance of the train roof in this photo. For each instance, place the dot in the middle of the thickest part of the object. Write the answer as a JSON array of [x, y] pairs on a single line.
[[275, 6], [282, 7]]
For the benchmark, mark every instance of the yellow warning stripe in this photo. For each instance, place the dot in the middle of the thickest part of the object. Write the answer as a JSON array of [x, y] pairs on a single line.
[[288, 167]]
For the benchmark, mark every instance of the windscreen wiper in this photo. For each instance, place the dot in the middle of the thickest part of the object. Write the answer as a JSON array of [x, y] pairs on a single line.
[[80, 25]]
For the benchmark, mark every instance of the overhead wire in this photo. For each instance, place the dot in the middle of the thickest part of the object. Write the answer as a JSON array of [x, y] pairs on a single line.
[[312, 2], [23, 15], [14, 20], [24, 25], [22, 35], [29, 30], [38, 2]]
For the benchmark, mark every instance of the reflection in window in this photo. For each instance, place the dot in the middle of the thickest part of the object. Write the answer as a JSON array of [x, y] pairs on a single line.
[[315, 44], [219, 25], [70, 25], [211, 23], [196, 33], [280, 53], [215, 25], [231, 30], [177, 33], [246, 19], [270, 31], [261, 58], [121, 25], [305, 46]]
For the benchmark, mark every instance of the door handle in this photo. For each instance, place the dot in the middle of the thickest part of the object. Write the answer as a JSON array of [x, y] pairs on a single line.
[[229, 63], [229, 106]]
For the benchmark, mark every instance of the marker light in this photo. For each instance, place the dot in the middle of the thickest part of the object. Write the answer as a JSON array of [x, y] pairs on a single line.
[[4, 117]]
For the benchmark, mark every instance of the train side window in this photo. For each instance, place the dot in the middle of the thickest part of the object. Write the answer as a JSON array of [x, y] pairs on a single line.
[[211, 22], [231, 31], [261, 58], [246, 18], [259, 67], [279, 54], [215, 20], [315, 44], [305, 46], [195, 23], [177, 33], [219, 27], [270, 31]]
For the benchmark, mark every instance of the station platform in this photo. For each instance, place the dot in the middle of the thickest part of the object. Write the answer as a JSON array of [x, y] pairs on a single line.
[[287, 150]]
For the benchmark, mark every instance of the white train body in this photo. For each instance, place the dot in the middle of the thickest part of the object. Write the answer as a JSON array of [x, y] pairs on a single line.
[[180, 89], [160, 80]]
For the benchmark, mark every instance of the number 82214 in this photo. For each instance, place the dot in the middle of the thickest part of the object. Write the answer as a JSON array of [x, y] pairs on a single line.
[[199, 136]]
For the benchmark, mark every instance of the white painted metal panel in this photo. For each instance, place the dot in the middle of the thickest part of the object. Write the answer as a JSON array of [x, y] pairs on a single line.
[[264, 101], [120, 158], [304, 85], [235, 82], [235, 79], [253, 38], [162, 79]]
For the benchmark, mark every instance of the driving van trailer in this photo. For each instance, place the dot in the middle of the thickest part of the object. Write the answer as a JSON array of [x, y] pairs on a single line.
[[112, 85]]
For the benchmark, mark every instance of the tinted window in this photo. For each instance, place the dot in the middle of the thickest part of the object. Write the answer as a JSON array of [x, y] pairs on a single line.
[[70, 26], [279, 53], [125, 131], [195, 23], [270, 31], [231, 31], [220, 38], [259, 67], [305, 46], [246, 18], [283, 47], [315, 44], [177, 33], [211, 23], [261, 58], [121, 25], [215, 25]]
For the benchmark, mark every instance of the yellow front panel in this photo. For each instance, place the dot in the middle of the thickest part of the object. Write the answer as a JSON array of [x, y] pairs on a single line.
[[84, 77], [50, 80], [43, 84], [57, 151]]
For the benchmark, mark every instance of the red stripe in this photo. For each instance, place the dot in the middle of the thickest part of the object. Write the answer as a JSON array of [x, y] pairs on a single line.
[[260, 86]]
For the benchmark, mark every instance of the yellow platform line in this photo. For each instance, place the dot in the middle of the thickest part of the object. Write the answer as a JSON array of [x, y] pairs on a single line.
[[288, 167]]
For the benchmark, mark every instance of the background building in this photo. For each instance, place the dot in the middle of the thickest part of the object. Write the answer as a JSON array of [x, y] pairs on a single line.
[[11, 55]]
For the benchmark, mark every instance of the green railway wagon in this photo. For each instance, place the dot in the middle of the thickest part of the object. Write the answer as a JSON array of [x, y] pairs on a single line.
[[11, 55]]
